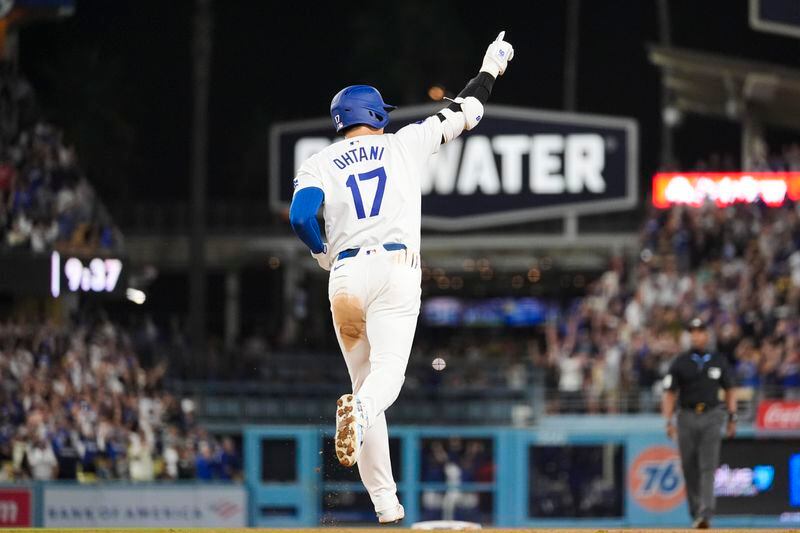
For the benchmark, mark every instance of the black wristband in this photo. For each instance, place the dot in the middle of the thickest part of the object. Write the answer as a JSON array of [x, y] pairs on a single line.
[[480, 87], [732, 417]]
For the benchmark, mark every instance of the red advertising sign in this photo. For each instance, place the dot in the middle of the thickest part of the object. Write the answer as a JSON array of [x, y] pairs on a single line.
[[774, 414], [15, 508], [724, 188]]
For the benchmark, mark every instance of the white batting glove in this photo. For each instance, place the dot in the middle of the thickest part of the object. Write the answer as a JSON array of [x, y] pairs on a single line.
[[497, 56], [322, 258]]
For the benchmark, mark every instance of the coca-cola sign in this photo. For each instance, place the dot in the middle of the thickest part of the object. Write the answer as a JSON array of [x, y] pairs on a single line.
[[773, 414]]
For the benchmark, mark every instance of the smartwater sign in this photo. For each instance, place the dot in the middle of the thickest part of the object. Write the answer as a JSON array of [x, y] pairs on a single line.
[[517, 165], [145, 506]]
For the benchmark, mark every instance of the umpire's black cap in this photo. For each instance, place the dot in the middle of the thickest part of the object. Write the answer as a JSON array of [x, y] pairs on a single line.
[[696, 323]]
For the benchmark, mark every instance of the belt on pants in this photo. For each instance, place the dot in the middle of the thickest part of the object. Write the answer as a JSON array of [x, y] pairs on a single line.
[[699, 407], [352, 252]]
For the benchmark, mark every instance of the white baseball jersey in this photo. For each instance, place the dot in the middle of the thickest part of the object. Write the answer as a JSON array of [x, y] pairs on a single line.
[[372, 186]]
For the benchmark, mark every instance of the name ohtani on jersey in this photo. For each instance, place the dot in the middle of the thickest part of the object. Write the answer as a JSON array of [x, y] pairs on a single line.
[[357, 155]]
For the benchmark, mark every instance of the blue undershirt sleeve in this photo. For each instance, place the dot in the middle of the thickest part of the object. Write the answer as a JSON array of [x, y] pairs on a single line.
[[303, 217]]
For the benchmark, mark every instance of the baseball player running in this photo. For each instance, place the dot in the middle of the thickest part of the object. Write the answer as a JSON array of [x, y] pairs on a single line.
[[369, 184]]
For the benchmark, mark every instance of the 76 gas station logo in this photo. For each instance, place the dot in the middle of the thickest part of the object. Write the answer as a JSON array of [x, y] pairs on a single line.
[[655, 480]]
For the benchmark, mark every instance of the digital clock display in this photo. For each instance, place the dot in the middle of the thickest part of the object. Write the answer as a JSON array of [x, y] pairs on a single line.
[[93, 275]]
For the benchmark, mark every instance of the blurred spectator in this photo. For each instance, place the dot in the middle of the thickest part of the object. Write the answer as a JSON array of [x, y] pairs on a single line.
[[41, 460], [205, 464], [230, 462], [140, 454], [65, 446], [186, 464]]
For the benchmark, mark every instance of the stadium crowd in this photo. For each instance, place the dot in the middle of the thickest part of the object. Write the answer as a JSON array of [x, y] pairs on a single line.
[[45, 200], [77, 403], [738, 268]]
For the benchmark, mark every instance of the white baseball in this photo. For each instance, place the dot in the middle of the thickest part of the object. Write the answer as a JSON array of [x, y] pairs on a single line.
[[438, 364]]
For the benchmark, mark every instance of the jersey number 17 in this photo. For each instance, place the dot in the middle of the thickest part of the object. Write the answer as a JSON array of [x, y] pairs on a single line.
[[352, 184]]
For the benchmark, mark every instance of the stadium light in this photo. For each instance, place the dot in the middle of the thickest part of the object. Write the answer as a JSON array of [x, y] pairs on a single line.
[[136, 296], [671, 116]]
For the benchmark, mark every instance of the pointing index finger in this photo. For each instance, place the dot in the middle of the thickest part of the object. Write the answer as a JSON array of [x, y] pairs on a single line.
[[500, 36]]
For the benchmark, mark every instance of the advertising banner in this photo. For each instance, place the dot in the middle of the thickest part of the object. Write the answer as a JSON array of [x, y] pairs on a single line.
[[517, 165], [15, 507], [778, 415], [724, 188], [145, 506], [758, 477], [656, 490]]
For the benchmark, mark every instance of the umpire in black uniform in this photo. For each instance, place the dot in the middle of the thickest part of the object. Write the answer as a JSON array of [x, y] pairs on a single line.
[[693, 382]]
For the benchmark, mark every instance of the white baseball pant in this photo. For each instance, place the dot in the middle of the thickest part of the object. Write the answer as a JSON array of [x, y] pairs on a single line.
[[375, 302]]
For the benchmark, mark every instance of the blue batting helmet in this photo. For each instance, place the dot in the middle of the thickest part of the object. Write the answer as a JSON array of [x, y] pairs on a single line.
[[359, 104]]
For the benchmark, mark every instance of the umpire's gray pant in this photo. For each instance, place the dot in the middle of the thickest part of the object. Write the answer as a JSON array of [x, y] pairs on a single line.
[[699, 439]]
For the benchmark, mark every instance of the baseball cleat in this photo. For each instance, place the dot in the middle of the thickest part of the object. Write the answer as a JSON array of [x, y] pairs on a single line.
[[701, 523], [349, 429], [392, 515]]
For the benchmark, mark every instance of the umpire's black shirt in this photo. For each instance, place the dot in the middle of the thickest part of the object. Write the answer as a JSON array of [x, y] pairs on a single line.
[[697, 377]]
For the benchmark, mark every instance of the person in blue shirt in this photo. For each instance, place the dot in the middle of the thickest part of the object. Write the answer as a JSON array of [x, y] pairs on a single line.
[[229, 460], [204, 463]]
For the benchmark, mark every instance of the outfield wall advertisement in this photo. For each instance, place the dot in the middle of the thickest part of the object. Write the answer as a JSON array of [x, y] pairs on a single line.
[[656, 491], [16, 507], [145, 506]]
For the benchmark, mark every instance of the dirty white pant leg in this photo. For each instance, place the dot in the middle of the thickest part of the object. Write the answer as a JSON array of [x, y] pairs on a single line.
[[375, 466]]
